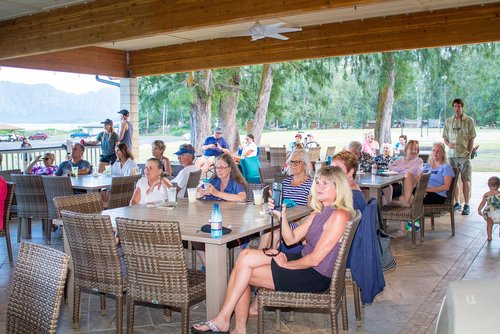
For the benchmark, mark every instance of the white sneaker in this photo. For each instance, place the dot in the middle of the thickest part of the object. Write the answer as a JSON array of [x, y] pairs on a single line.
[[398, 234]]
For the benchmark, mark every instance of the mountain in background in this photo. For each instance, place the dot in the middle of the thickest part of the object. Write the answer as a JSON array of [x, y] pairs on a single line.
[[21, 103]]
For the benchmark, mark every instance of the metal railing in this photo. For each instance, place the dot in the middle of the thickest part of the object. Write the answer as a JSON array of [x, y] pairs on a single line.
[[20, 158]]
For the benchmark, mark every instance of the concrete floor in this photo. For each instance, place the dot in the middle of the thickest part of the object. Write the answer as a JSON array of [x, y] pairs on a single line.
[[409, 303]]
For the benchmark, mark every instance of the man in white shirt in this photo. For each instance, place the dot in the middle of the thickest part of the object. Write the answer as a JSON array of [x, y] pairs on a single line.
[[185, 154], [248, 150]]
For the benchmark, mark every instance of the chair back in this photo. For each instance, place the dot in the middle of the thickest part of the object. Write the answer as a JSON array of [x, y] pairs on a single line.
[[279, 177], [278, 156], [55, 187], [37, 290], [261, 152], [122, 189], [267, 172], [6, 218], [193, 181], [6, 174], [450, 194], [30, 196], [418, 199], [314, 153], [337, 285], [154, 255], [330, 151], [176, 168], [84, 203], [94, 252], [250, 169]]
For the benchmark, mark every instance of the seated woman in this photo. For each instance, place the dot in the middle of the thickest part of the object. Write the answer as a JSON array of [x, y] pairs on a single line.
[[48, 167], [439, 182], [296, 187], [247, 150], [227, 183], [307, 271], [157, 149], [411, 166], [125, 164], [370, 145], [348, 162], [153, 186]]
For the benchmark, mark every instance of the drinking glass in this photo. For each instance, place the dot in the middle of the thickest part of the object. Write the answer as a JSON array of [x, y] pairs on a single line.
[[107, 169], [257, 196], [171, 194], [74, 171], [191, 195]]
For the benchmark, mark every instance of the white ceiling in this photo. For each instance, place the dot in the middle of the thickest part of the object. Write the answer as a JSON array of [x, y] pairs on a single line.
[[15, 8]]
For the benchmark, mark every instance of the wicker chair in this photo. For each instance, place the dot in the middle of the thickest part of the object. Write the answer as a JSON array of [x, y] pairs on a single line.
[[31, 201], [55, 187], [83, 203], [314, 153], [333, 299], [157, 268], [279, 177], [6, 174], [267, 173], [96, 263], [193, 181], [330, 151], [176, 168], [278, 156], [37, 290], [6, 219], [122, 189], [432, 210], [263, 155], [412, 213]]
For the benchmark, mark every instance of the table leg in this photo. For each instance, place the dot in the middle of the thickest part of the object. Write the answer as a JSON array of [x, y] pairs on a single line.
[[375, 193], [216, 277], [70, 282]]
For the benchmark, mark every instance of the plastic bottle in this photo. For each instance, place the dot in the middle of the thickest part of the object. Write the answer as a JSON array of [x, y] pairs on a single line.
[[216, 222], [374, 169]]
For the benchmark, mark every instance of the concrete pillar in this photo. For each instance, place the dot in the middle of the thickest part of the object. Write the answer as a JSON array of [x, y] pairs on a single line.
[[129, 99]]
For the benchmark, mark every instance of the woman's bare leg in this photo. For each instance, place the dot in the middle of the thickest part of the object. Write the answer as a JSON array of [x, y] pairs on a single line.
[[252, 266]]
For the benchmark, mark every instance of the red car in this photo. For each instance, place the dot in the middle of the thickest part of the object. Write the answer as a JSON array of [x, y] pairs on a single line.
[[38, 135]]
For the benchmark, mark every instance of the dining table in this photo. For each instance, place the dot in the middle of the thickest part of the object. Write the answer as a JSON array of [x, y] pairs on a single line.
[[91, 183], [376, 182], [244, 219]]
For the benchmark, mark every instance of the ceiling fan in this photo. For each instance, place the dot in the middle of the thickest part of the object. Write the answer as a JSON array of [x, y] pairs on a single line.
[[275, 30]]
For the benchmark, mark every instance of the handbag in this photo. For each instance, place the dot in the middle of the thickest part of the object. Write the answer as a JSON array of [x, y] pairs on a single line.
[[384, 242]]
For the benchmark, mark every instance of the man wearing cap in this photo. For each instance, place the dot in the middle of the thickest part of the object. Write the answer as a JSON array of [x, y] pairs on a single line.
[[108, 140], [212, 147], [185, 154], [126, 129], [76, 160], [296, 144]]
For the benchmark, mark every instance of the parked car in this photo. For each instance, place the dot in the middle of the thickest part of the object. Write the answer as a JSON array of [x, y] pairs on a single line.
[[38, 135], [11, 137], [79, 134]]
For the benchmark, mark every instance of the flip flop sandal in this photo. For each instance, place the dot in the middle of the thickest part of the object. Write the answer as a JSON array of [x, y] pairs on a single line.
[[209, 324]]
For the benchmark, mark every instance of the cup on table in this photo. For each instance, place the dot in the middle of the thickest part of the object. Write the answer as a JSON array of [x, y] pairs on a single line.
[[191, 195], [257, 196], [107, 169], [95, 172], [74, 171], [172, 194]]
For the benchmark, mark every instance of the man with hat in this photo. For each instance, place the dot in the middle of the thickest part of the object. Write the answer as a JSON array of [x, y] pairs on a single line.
[[296, 144], [185, 154], [108, 140], [126, 129], [212, 147]]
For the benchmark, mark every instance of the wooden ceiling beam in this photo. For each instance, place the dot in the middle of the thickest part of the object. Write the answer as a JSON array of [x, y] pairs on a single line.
[[90, 60], [107, 21], [474, 24]]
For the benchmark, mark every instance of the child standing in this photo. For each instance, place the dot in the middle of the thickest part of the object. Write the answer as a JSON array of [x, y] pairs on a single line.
[[491, 212]]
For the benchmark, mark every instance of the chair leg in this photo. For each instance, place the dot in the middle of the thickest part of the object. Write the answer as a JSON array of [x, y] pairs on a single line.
[[167, 313], [432, 222], [119, 314], [422, 228], [28, 229], [76, 307], [9, 245], [343, 308], [260, 316], [357, 303], [291, 316], [230, 261], [413, 236], [19, 229], [130, 315], [193, 255], [333, 319], [185, 318], [102, 297], [277, 325], [48, 231], [452, 216]]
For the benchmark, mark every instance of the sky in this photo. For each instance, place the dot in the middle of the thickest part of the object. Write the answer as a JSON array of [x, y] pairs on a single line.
[[67, 82]]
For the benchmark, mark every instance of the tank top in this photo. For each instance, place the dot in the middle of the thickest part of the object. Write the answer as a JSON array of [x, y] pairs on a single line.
[[127, 136], [325, 267]]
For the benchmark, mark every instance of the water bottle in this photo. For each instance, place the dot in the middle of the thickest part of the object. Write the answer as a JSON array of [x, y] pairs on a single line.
[[374, 169], [216, 222]]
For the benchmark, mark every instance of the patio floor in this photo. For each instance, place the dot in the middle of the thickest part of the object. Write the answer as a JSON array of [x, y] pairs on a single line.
[[409, 304]]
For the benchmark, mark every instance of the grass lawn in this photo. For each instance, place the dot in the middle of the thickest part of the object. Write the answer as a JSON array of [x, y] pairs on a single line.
[[488, 159]]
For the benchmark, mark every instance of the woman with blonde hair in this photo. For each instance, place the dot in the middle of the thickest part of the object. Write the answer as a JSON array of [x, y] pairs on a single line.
[[48, 167], [157, 149], [227, 183], [308, 271], [153, 186]]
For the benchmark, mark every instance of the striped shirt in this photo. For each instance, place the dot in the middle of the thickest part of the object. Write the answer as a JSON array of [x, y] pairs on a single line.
[[299, 194]]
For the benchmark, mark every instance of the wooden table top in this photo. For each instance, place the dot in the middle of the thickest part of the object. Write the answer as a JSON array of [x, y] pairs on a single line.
[[243, 218], [91, 182], [369, 180]]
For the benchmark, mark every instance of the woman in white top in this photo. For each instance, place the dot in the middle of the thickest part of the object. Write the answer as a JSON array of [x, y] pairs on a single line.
[[153, 186], [124, 164]]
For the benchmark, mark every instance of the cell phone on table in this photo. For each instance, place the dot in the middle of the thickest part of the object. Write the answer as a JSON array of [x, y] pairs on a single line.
[[277, 195]]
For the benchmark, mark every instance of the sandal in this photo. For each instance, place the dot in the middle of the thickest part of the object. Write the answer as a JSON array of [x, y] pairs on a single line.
[[209, 324]]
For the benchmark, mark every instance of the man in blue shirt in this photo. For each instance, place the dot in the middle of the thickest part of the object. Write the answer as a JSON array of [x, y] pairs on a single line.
[[64, 168], [212, 147]]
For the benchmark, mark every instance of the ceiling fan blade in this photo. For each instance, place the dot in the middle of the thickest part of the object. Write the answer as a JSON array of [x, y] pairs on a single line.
[[274, 25], [283, 30], [256, 37], [277, 36]]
